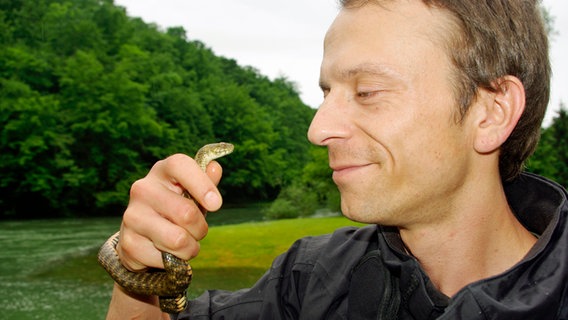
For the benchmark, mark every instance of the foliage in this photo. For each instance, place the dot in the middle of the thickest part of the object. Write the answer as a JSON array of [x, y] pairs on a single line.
[[551, 157], [313, 190], [294, 201], [90, 98]]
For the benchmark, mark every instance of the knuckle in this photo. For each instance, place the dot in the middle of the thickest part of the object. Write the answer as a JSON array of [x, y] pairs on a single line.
[[184, 245], [125, 249], [177, 160], [189, 214], [205, 231], [138, 188], [201, 233], [194, 221], [191, 251], [179, 240], [194, 250], [128, 218], [128, 261]]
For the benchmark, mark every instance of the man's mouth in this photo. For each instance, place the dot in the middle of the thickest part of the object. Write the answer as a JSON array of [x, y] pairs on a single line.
[[347, 171]]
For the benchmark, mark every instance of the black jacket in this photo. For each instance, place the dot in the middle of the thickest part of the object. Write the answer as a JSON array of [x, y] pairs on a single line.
[[365, 274]]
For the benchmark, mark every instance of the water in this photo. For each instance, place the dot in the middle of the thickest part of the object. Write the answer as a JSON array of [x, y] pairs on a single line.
[[48, 269]]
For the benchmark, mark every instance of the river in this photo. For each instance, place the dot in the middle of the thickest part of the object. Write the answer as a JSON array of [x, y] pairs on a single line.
[[48, 269]]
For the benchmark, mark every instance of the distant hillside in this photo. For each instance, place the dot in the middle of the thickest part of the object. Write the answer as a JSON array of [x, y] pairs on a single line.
[[90, 98]]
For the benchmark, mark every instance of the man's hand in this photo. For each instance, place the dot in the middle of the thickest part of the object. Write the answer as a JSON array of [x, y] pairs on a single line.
[[158, 218]]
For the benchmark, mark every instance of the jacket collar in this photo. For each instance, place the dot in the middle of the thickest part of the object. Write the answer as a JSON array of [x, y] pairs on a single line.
[[533, 287]]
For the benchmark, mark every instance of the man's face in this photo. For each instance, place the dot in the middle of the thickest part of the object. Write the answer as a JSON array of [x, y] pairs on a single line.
[[389, 115]]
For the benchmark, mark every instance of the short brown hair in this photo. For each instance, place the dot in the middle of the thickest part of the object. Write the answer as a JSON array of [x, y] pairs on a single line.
[[492, 39]]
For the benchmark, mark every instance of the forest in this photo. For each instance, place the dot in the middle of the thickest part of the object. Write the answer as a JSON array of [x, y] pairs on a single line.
[[90, 98]]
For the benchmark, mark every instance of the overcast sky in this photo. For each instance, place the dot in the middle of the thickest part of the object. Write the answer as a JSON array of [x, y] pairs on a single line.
[[285, 37]]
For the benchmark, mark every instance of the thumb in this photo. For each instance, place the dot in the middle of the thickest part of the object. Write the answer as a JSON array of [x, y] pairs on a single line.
[[214, 171]]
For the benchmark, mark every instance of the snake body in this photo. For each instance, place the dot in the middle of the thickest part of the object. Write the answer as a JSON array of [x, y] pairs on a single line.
[[171, 283]]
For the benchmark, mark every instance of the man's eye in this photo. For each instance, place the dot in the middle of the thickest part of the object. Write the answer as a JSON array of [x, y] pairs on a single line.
[[366, 94]]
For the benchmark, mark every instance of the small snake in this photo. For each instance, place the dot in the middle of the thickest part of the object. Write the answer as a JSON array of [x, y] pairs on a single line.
[[171, 283]]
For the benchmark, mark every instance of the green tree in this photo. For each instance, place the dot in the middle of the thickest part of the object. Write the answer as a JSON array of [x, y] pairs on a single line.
[[67, 27], [91, 98], [551, 157], [35, 163], [313, 190]]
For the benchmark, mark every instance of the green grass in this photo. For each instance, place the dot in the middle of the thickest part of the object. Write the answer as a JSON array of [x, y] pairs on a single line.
[[48, 269], [233, 257]]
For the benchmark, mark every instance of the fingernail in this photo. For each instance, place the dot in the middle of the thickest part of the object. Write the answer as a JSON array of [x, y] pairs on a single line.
[[212, 201]]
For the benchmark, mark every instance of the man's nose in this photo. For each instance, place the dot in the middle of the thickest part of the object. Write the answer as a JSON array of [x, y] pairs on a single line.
[[331, 121]]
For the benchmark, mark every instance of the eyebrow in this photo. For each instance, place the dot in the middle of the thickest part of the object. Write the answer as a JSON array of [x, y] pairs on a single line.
[[369, 69], [373, 69]]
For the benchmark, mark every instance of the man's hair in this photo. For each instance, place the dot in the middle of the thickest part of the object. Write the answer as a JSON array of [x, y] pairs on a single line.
[[492, 39]]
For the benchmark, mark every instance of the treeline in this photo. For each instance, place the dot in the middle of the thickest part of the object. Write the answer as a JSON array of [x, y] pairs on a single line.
[[90, 98], [551, 157]]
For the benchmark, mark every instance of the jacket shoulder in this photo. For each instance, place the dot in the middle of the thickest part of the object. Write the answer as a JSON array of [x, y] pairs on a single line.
[[310, 249]]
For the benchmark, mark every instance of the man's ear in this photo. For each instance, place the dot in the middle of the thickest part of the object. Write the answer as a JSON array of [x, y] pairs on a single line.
[[498, 112]]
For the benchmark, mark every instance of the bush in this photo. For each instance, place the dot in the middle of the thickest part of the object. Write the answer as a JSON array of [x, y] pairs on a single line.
[[293, 201]]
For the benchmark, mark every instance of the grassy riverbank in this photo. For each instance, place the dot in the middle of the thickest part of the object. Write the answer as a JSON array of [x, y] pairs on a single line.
[[48, 269]]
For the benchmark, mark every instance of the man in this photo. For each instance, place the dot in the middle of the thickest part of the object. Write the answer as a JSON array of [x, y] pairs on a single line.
[[430, 109]]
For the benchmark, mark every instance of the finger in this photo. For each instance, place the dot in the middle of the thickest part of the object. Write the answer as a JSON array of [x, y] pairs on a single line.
[[184, 171], [145, 234], [169, 237], [168, 204], [215, 171], [137, 253]]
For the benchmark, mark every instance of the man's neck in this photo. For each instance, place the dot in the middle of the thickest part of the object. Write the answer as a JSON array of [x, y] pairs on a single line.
[[481, 240]]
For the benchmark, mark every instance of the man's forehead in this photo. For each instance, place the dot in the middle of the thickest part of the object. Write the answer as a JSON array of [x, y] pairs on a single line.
[[442, 23]]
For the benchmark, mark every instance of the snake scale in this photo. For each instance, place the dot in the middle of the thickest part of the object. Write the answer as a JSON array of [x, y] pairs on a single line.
[[171, 283]]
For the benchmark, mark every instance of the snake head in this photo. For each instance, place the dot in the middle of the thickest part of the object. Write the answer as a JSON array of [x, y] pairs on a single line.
[[212, 151]]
